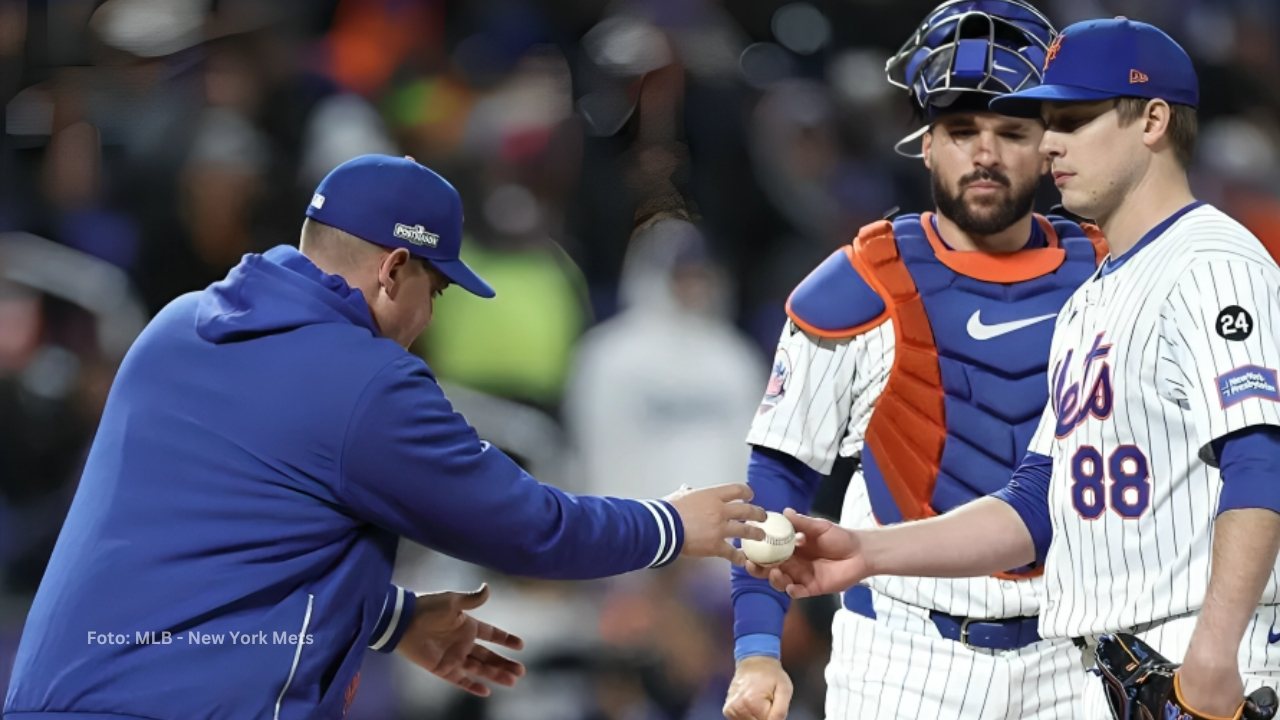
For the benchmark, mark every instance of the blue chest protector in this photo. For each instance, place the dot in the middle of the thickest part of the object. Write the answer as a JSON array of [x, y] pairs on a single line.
[[972, 333]]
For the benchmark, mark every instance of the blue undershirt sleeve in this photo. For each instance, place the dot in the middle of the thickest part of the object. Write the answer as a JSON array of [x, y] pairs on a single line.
[[1028, 494], [779, 481], [1250, 464]]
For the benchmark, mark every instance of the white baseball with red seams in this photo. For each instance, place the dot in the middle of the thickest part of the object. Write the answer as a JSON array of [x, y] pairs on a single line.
[[779, 542]]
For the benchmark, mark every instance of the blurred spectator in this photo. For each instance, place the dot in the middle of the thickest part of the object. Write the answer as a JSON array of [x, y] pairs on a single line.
[[530, 327], [1238, 171], [74, 185], [341, 127], [369, 40], [65, 321], [524, 141], [220, 183], [660, 391], [675, 619], [556, 621]]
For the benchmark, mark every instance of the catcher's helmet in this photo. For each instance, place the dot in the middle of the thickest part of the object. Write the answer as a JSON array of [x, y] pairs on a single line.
[[972, 48]]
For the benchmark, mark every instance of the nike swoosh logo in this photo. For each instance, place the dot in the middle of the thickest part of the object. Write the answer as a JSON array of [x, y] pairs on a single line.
[[1273, 637], [981, 331]]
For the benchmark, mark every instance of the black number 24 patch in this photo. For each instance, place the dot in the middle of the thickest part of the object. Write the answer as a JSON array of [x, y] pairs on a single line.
[[1234, 323]]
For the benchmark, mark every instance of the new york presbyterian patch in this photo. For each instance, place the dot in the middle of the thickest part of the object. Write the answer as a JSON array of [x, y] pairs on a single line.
[[1248, 381]]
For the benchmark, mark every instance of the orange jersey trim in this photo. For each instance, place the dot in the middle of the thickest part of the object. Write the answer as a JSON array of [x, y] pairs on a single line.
[[907, 430], [1012, 267], [1101, 248]]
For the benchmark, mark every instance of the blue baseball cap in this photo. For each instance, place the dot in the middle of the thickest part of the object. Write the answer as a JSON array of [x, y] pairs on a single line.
[[396, 202], [1105, 59]]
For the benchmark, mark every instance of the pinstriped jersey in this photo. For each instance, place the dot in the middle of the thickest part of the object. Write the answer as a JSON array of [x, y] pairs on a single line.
[[818, 406], [937, 396], [1174, 347]]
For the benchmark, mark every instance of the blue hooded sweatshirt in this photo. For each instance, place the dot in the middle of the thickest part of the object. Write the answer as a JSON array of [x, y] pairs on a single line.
[[229, 550]]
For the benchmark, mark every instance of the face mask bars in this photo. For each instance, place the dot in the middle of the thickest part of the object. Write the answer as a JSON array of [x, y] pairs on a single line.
[[947, 55]]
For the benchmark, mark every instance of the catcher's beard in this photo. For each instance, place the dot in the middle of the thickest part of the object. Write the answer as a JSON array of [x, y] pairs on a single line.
[[982, 219]]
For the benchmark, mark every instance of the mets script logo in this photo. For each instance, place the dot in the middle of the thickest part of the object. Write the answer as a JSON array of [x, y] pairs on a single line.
[[1090, 395], [1052, 52], [417, 235]]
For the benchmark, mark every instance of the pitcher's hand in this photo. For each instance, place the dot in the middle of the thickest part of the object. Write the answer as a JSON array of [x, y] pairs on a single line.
[[828, 559]]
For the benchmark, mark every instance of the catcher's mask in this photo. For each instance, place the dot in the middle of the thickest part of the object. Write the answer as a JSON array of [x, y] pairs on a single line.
[[972, 50]]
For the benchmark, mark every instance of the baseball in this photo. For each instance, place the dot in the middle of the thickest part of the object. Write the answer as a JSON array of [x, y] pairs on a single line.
[[779, 542]]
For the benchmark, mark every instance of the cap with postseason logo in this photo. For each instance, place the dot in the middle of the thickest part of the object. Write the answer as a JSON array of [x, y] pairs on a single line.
[[396, 202]]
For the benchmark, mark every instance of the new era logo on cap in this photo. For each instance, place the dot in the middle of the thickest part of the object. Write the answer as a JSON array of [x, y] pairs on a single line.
[[1137, 76]]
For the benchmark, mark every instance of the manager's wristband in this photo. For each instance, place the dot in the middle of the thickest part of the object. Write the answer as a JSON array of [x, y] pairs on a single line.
[[757, 644]]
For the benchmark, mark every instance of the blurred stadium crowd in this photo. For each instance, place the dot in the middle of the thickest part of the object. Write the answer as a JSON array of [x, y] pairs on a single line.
[[148, 144]]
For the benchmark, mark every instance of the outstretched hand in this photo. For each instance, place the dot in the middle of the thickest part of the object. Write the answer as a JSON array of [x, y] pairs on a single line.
[[442, 639], [828, 559], [713, 516]]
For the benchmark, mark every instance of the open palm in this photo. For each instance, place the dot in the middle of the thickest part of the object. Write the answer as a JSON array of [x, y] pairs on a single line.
[[442, 639]]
